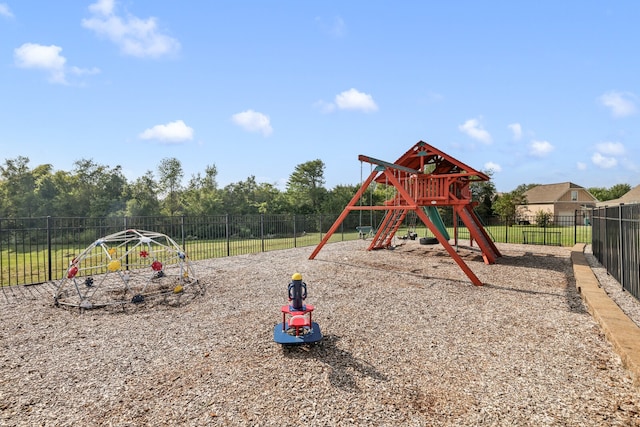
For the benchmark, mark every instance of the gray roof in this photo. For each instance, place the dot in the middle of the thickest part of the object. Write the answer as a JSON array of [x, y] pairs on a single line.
[[549, 193], [630, 197]]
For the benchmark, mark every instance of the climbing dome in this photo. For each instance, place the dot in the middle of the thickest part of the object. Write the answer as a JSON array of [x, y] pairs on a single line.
[[131, 266]]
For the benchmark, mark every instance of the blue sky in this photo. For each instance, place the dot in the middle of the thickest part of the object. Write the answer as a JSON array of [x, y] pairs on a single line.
[[537, 91]]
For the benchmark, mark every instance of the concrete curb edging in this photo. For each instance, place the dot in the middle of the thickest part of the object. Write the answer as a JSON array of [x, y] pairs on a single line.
[[621, 332]]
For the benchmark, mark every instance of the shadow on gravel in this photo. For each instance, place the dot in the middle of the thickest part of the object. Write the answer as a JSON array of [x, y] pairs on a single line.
[[546, 262], [15, 294], [533, 260], [345, 367]]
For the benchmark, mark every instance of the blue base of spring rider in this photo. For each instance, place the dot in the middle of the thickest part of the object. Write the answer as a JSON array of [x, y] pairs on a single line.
[[312, 335], [297, 326]]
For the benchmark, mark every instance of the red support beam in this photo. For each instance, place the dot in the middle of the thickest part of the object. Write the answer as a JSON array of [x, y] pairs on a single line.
[[343, 215]]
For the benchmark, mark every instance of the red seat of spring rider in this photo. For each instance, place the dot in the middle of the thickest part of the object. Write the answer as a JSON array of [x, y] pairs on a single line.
[[299, 321]]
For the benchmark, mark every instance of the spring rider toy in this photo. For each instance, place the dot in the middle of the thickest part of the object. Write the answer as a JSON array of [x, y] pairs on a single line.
[[296, 326]]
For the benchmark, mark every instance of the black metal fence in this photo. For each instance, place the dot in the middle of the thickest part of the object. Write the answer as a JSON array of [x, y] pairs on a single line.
[[616, 243], [37, 250]]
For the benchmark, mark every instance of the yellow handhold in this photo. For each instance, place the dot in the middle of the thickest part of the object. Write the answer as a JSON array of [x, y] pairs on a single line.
[[296, 276], [178, 289], [114, 265], [112, 251]]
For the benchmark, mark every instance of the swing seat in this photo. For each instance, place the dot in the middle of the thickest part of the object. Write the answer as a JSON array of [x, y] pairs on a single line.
[[365, 231]]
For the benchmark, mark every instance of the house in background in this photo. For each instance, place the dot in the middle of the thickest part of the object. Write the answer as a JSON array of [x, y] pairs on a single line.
[[564, 200], [630, 197]]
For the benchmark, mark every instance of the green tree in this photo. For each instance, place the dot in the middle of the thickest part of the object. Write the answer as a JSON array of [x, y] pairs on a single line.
[[170, 175], [523, 188], [338, 198], [603, 194], [506, 205], [202, 196], [305, 187], [543, 218], [46, 191], [63, 201], [268, 199], [618, 191], [484, 193], [17, 188], [97, 190], [600, 193], [142, 196]]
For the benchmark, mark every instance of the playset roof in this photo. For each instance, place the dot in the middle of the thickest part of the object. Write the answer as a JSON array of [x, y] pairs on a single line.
[[423, 155]]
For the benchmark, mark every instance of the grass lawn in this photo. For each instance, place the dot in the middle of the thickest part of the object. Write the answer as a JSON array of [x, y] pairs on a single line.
[[28, 265]]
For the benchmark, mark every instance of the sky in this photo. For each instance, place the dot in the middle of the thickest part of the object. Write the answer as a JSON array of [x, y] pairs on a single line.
[[540, 92]]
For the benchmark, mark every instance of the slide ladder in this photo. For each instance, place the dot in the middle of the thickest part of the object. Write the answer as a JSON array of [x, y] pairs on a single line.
[[477, 232], [390, 224]]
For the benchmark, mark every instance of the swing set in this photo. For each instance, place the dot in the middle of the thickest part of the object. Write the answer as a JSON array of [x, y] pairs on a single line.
[[423, 178], [365, 231]]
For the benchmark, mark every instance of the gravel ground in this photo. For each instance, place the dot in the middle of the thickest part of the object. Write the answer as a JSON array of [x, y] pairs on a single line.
[[408, 340]]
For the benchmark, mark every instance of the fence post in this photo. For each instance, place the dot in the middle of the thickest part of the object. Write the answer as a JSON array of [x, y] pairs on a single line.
[[49, 255], [226, 222], [295, 232], [605, 261], [182, 229], [620, 246], [575, 227], [506, 230], [262, 231]]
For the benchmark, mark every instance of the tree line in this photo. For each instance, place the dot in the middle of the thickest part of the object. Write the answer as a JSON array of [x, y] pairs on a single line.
[[94, 190]]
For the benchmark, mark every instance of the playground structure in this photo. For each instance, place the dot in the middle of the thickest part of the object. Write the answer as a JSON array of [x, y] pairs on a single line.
[[297, 327], [423, 178], [130, 266]]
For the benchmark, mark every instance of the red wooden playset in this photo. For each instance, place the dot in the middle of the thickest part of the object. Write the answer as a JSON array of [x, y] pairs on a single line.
[[423, 177]]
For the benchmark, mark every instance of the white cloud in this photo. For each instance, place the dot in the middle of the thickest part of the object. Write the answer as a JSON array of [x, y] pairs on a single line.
[[603, 162], [47, 58], [516, 129], [134, 36], [102, 7], [5, 11], [253, 121], [474, 129], [540, 148], [581, 166], [621, 104], [491, 166], [610, 148], [176, 131], [352, 99]]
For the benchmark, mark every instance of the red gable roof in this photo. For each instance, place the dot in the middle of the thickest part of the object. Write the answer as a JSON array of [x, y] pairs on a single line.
[[422, 154]]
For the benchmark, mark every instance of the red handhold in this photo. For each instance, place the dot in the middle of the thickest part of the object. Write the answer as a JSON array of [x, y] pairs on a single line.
[[156, 265], [72, 272]]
